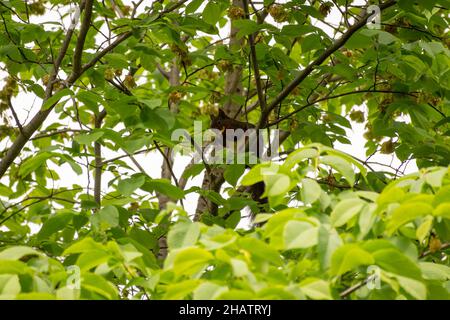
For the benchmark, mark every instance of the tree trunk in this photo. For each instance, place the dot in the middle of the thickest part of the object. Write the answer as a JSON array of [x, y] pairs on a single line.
[[213, 179]]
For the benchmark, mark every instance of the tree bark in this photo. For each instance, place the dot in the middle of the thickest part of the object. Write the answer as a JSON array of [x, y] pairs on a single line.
[[213, 179]]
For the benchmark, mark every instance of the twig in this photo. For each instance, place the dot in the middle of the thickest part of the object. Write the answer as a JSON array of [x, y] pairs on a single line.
[[16, 118], [254, 59], [428, 252]]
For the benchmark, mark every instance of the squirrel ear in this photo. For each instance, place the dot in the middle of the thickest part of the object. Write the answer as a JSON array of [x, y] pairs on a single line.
[[222, 114]]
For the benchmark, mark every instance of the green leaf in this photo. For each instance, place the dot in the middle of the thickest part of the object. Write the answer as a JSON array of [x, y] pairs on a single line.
[[415, 288], [183, 234], [366, 219], [256, 173], [128, 186], [84, 245], [340, 165], [92, 259], [98, 284], [233, 220], [117, 60], [442, 210], [300, 155], [88, 138], [311, 191], [14, 267], [391, 195], [276, 184], [329, 241], [405, 213], [54, 224], [193, 5], [300, 235], [35, 296], [163, 186], [349, 257], [178, 291], [213, 12], [233, 172], [33, 163], [392, 260], [247, 27], [55, 98], [442, 196], [424, 229], [235, 294], [106, 218], [435, 271], [240, 268], [260, 249], [18, 252], [435, 177], [345, 210], [189, 261], [208, 290], [316, 289], [10, 286]]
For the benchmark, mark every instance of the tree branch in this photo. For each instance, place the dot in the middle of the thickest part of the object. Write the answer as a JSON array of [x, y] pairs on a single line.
[[14, 114], [251, 39], [98, 160], [334, 97], [77, 56]]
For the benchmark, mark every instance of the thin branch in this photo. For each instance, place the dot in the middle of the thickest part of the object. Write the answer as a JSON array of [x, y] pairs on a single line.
[[259, 89], [334, 97], [127, 155], [428, 252], [169, 165], [164, 72], [53, 133], [357, 286], [82, 37], [98, 160], [16, 118]]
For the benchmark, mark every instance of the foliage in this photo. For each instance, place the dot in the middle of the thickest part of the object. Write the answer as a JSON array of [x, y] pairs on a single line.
[[110, 89]]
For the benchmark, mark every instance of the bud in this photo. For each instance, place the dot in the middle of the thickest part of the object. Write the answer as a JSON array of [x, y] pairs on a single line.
[[175, 96], [109, 74], [278, 13], [45, 79], [126, 10], [134, 206], [129, 81], [235, 12], [348, 53], [225, 65], [37, 8], [325, 8], [435, 244], [387, 147], [357, 116]]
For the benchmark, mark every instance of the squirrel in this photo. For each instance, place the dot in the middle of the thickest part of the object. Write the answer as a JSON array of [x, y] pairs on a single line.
[[223, 122]]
